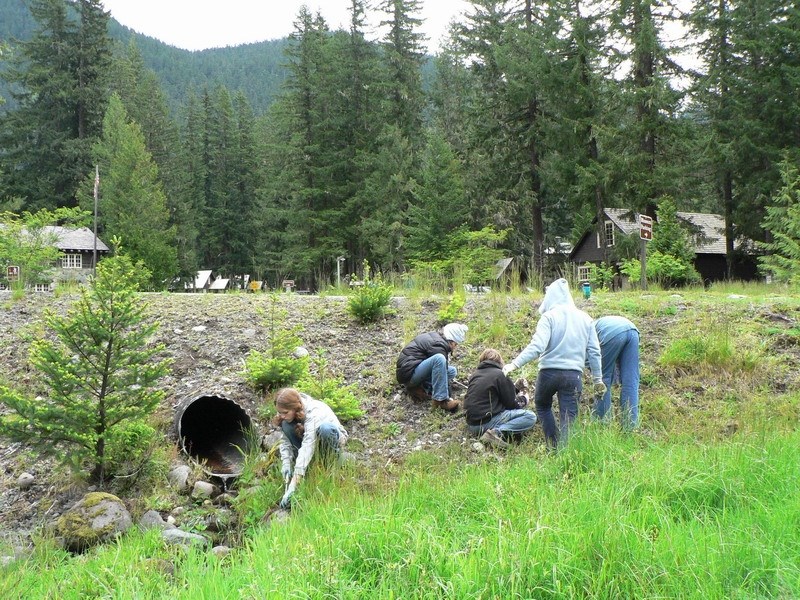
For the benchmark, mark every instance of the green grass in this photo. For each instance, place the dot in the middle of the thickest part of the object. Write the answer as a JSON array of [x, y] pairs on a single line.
[[704, 502], [611, 516]]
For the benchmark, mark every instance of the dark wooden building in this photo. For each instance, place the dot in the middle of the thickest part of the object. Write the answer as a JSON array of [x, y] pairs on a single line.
[[706, 230]]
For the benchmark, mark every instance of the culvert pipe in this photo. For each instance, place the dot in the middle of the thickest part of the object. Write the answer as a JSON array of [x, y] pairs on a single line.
[[216, 432]]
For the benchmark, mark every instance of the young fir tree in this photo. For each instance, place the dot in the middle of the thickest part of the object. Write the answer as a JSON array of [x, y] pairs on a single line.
[[782, 223], [132, 204], [100, 371]]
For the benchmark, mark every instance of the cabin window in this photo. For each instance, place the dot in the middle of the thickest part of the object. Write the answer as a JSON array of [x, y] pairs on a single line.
[[584, 272], [609, 233], [72, 261]]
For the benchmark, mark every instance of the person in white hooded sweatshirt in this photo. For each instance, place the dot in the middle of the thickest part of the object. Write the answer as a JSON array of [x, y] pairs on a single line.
[[564, 339]]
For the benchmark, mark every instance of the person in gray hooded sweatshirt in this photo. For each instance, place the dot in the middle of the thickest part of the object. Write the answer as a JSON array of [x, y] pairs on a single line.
[[564, 339]]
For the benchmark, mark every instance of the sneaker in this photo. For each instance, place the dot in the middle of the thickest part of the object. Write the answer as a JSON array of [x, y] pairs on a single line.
[[449, 404], [491, 437], [418, 393]]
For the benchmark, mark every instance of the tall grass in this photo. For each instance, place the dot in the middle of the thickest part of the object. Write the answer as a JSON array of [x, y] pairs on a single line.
[[611, 516]]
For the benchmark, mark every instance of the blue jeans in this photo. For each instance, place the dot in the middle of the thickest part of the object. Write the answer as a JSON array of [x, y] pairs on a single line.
[[567, 385], [435, 372], [327, 437], [621, 353], [507, 423]]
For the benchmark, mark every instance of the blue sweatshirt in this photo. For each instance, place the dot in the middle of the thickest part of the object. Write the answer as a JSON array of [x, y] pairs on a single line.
[[565, 336], [611, 326]]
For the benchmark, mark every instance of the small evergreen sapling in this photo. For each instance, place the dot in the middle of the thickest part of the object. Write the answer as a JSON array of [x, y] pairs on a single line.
[[99, 369], [278, 365]]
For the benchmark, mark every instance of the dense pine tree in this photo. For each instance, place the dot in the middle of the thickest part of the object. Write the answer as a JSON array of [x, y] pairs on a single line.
[[61, 80], [132, 204]]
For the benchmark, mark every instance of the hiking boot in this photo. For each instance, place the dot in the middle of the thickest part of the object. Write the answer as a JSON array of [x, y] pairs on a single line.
[[491, 437], [418, 393], [449, 405]]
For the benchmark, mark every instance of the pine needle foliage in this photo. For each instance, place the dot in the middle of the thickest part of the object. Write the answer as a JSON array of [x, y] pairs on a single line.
[[277, 365], [783, 223], [99, 370]]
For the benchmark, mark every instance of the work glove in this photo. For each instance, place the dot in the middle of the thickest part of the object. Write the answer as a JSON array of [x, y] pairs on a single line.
[[286, 501], [286, 472], [597, 389], [508, 368]]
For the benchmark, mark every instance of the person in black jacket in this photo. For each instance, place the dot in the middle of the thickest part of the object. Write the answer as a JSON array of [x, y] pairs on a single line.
[[423, 363], [491, 406]]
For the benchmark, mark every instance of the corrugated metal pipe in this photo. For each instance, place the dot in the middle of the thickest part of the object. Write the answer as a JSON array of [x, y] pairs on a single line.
[[216, 432]]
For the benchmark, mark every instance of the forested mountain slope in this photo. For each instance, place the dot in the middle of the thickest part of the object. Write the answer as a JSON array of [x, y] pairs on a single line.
[[255, 69]]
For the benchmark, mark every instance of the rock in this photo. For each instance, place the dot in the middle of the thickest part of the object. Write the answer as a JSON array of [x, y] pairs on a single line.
[[199, 328], [178, 537], [269, 440], [96, 518], [279, 516], [219, 520], [177, 511], [25, 481], [221, 551], [203, 490], [171, 521], [478, 447], [179, 478], [159, 565], [225, 499], [300, 352], [152, 520]]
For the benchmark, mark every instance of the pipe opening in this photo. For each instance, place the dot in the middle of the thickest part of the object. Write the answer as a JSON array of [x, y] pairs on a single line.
[[216, 432]]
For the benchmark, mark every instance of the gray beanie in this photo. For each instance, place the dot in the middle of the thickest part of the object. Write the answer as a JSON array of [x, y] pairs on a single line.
[[455, 332]]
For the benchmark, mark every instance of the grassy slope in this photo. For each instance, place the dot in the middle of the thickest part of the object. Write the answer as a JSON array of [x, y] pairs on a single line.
[[702, 503]]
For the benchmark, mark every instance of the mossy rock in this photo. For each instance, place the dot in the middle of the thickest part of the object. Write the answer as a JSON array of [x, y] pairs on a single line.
[[96, 518]]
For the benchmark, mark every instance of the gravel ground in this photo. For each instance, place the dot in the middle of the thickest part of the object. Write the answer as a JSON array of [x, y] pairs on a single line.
[[208, 336]]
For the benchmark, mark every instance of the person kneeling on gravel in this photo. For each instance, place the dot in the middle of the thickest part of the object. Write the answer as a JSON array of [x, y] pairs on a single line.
[[305, 423], [491, 405], [424, 368]]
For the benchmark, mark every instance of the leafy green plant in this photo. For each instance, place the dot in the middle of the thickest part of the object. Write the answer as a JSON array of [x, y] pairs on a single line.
[[130, 446], [662, 269], [99, 369], [321, 383], [453, 309], [277, 366], [369, 302]]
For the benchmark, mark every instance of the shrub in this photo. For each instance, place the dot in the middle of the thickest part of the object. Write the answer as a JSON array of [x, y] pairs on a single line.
[[453, 310], [370, 301], [328, 387], [277, 366], [663, 269]]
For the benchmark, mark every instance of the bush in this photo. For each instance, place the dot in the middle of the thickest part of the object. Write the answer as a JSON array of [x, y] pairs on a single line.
[[370, 301], [324, 385], [453, 310], [663, 269], [268, 370], [277, 366], [129, 447]]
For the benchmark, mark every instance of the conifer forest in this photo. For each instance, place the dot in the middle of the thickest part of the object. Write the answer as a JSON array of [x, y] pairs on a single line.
[[531, 120]]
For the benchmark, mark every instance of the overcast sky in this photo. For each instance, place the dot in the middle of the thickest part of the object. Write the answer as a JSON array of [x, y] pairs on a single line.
[[199, 24]]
